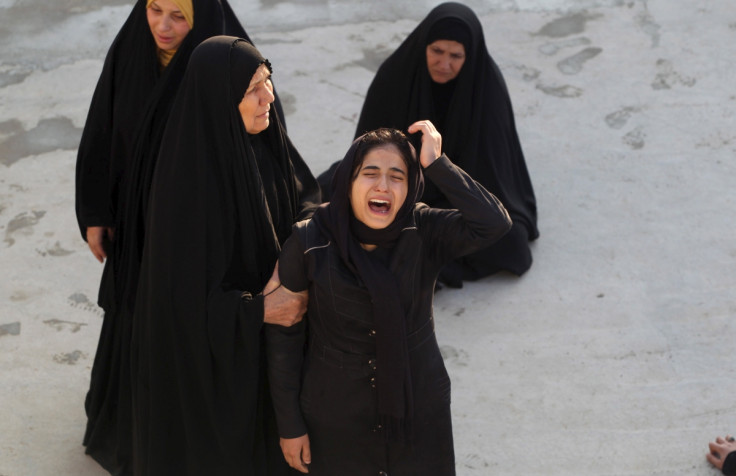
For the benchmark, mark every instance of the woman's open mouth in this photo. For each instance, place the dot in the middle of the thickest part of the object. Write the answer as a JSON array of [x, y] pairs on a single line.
[[379, 206]]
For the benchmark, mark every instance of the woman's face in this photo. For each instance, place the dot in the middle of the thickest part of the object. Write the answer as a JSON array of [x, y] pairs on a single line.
[[445, 59], [256, 103], [167, 23], [380, 187]]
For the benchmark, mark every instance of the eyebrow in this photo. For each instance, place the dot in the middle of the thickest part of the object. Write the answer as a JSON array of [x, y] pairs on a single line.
[[375, 167], [264, 76]]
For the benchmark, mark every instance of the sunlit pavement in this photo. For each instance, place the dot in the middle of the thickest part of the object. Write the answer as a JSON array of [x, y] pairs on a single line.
[[613, 355]]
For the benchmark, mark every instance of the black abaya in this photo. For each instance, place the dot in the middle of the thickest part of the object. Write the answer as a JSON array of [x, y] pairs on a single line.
[[115, 162], [478, 132], [213, 236]]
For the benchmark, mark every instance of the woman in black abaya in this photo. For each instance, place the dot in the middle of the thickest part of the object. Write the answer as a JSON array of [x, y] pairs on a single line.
[[115, 162], [227, 189], [472, 110]]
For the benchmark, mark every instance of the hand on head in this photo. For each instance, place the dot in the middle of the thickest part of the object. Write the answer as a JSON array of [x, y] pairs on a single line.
[[719, 449], [431, 141]]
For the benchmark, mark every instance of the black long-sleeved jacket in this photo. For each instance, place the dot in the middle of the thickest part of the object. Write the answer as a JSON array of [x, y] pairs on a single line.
[[330, 393]]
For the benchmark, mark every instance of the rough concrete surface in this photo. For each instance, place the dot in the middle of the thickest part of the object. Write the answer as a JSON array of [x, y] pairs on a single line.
[[613, 355]]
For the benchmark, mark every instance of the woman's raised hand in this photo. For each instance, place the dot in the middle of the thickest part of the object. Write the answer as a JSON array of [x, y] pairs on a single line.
[[431, 141]]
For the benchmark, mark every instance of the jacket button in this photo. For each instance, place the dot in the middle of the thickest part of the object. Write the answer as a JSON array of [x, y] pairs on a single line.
[[372, 333], [373, 382], [382, 473]]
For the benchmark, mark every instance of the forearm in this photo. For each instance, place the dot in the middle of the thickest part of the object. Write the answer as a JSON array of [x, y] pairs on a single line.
[[729, 465], [483, 214], [285, 352]]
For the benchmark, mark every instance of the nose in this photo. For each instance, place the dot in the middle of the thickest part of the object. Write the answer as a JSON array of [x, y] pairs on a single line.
[[164, 24], [382, 183], [267, 96]]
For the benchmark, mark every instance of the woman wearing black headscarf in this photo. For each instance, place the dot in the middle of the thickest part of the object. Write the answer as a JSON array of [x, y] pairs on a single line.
[[443, 72], [227, 188], [372, 395], [115, 162]]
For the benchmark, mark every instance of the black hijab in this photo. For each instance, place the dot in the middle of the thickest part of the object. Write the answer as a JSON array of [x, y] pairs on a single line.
[[336, 220], [478, 128], [211, 245]]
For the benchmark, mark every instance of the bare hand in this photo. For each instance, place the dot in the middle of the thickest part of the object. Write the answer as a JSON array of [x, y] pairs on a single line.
[[297, 452], [97, 239], [431, 142], [281, 306], [719, 450]]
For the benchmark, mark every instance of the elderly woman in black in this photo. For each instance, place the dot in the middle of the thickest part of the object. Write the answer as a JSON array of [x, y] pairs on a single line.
[[227, 189], [372, 395], [443, 72], [115, 162]]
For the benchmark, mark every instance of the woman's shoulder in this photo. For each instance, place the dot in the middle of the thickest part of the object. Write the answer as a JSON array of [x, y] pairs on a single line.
[[310, 235]]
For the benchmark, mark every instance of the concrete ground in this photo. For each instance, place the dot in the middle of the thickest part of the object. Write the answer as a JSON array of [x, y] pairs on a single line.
[[613, 355]]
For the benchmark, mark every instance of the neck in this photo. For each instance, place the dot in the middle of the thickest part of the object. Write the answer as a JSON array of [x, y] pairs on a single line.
[[164, 57], [368, 247]]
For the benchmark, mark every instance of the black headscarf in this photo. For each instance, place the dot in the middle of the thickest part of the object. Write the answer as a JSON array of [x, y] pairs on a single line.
[[211, 245], [336, 220], [478, 129]]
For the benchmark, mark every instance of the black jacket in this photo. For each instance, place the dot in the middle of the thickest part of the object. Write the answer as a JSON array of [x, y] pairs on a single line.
[[336, 403]]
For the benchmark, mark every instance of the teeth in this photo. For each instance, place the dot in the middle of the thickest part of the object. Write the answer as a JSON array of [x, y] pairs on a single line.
[[380, 202]]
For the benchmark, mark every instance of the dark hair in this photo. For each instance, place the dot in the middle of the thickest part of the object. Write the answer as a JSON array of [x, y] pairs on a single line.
[[384, 137]]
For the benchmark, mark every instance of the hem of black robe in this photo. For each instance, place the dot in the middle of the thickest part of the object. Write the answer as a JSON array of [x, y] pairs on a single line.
[[511, 253], [106, 461]]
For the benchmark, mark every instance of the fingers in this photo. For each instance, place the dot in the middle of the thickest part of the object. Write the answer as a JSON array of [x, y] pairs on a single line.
[[295, 462], [715, 461], [284, 307], [294, 450], [98, 251], [425, 127], [307, 452], [96, 237], [431, 141], [719, 449]]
